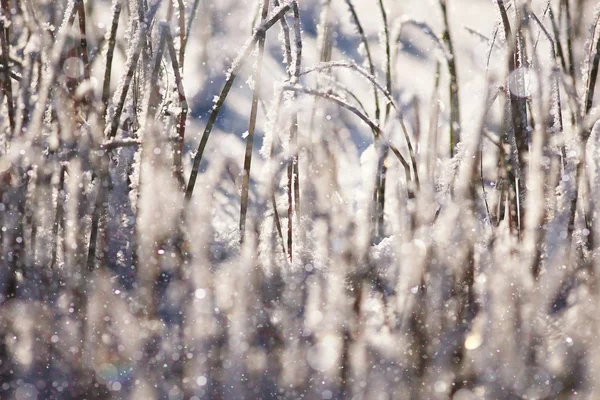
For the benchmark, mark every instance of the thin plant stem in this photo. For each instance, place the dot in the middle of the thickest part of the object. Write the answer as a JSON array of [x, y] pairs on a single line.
[[252, 126], [569, 33], [365, 43], [132, 65], [85, 58], [594, 61], [182, 32], [178, 153], [112, 40], [6, 81], [454, 94]]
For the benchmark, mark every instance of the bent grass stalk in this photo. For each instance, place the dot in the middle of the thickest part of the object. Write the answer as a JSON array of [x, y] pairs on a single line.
[[379, 132], [390, 100]]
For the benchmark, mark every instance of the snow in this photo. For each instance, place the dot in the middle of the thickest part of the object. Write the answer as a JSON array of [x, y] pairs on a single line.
[[114, 284]]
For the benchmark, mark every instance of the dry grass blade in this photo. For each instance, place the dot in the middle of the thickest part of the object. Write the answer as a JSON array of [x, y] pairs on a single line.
[[389, 99], [365, 43], [252, 126], [594, 62], [85, 58], [388, 60], [178, 153], [294, 171], [182, 32], [569, 34], [132, 63], [381, 177], [109, 55], [454, 93], [6, 81]]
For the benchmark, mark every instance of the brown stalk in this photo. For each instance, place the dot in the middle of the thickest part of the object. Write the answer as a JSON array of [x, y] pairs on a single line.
[[593, 68], [365, 43], [182, 36], [6, 82], [83, 40], [278, 100], [454, 98], [382, 167], [252, 126], [569, 39], [293, 137], [109, 56], [293, 169], [116, 117], [178, 153]]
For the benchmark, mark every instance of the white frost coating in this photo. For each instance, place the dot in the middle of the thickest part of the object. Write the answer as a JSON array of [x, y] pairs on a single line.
[[324, 66], [250, 82], [271, 124]]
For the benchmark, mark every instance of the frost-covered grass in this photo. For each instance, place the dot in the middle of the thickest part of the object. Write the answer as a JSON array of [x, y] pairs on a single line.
[[318, 199]]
